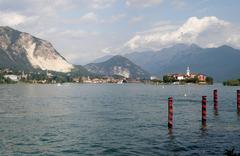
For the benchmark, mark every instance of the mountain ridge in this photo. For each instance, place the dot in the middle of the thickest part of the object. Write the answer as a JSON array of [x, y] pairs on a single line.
[[118, 65]]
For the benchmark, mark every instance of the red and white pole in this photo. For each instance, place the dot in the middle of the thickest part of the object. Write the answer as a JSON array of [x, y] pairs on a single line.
[[204, 110], [170, 112], [238, 101], [215, 99]]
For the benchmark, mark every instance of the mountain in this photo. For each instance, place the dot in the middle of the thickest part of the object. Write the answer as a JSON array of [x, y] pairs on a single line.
[[221, 63], [118, 65], [102, 59], [20, 50], [156, 61]]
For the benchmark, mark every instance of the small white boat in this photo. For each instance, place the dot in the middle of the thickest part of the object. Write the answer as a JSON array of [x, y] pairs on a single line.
[[176, 83], [120, 82]]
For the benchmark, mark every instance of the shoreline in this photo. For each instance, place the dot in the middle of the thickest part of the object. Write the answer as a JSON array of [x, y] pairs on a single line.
[[142, 83]]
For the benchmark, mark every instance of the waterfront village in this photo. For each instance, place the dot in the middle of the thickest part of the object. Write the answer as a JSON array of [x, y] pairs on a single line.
[[188, 77], [46, 77]]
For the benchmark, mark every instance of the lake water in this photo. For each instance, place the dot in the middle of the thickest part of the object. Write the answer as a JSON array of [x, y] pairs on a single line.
[[111, 119]]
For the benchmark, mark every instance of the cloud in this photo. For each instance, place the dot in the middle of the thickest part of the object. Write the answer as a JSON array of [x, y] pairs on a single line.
[[66, 34], [106, 50], [206, 32], [11, 18], [36, 7], [118, 17], [179, 4], [89, 17], [142, 3], [76, 45], [135, 19], [101, 4]]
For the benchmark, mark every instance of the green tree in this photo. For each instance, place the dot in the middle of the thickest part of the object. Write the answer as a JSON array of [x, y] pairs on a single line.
[[209, 80], [168, 79]]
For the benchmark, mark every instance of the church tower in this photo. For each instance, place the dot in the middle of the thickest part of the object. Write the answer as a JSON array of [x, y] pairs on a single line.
[[188, 71]]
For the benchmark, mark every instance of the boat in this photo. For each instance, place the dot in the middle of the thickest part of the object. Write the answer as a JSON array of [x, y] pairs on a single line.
[[120, 82]]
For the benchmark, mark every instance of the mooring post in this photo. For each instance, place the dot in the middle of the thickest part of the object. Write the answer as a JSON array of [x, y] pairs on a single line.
[[204, 110], [170, 112], [215, 99], [238, 101]]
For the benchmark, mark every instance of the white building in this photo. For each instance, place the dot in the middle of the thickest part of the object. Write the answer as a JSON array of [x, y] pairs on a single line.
[[11, 77], [154, 78], [188, 71], [180, 77]]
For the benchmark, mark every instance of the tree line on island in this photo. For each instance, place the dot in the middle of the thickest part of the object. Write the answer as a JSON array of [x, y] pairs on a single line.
[[235, 82], [170, 79]]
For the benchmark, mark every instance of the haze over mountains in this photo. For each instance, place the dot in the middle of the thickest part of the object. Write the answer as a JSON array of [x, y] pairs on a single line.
[[221, 63]]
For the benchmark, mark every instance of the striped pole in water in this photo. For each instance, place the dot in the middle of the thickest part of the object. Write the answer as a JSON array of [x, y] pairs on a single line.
[[215, 99], [204, 110], [170, 112], [238, 101]]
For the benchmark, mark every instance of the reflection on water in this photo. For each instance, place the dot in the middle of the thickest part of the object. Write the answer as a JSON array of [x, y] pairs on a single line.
[[110, 119]]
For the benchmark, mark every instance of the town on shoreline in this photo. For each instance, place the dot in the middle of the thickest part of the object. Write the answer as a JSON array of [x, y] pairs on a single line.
[[47, 77]]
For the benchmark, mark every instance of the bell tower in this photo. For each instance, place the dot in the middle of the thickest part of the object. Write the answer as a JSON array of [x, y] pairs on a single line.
[[188, 71]]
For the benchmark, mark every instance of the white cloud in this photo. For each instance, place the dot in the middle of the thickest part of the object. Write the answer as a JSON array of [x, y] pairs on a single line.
[[90, 17], [106, 50], [179, 4], [206, 32], [68, 34], [135, 19], [75, 45], [142, 3], [101, 4], [11, 18], [36, 7], [115, 18]]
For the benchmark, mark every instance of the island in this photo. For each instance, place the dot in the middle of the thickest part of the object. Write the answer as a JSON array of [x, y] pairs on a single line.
[[235, 82], [188, 77]]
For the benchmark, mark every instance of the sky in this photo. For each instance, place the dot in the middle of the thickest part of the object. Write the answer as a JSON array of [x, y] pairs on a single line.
[[83, 30]]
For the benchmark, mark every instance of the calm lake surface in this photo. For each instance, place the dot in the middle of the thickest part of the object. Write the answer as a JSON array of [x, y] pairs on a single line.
[[111, 119]]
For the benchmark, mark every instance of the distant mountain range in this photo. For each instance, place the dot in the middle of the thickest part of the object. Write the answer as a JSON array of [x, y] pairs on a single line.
[[118, 65], [221, 63]]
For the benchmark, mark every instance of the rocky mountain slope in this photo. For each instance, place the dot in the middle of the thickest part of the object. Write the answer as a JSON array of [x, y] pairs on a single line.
[[22, 51], [118, 65]]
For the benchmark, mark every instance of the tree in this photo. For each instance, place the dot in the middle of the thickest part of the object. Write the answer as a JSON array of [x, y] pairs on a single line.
[[168, 79], [209, 80]]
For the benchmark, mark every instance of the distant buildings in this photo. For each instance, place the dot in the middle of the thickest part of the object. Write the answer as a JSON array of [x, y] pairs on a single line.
[[12, 77], [187, 77], [154, 78], [105, 79]]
